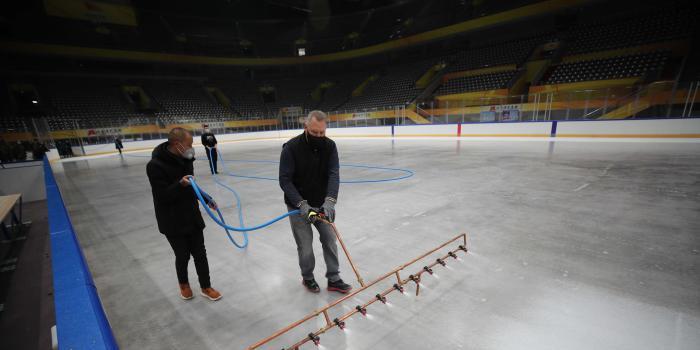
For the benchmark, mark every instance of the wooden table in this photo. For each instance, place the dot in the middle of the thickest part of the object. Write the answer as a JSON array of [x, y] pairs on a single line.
[[8, 207]]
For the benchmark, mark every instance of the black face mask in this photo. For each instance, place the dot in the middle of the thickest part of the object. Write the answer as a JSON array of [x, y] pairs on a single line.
[[315, 141]]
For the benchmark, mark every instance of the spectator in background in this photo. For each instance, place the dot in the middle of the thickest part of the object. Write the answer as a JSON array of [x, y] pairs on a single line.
[[61, 146], [19, 152], [209, 142], [69, 148], [5, 152], [118, 144], [38, 150], [64, 148]]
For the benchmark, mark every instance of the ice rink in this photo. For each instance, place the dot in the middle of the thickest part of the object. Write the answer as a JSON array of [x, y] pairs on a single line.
[[574, 245]]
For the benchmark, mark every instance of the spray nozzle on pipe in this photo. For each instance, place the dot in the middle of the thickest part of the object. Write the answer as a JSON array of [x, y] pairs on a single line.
[[462, 247], [339, 323], [316, 215], [414, 279], [361, 309], [428, 270], [453, 255], [398, 287], [314, 338], [441, 262], [381, 298]]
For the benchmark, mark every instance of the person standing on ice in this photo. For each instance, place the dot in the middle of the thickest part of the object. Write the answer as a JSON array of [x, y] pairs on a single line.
[[309, 176], [118, 144], [209, 142], [177, 209]]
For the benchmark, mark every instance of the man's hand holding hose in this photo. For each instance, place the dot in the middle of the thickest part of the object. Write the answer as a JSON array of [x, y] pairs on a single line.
[[185, 181]]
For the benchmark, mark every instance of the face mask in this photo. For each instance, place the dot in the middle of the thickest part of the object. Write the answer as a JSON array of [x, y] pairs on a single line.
[[186, 153], [315, 141], [207, 131]]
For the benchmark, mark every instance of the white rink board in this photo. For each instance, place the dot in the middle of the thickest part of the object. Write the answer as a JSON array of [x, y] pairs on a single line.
[[609, 129], [426, 130], [527, 129], [648, 128]]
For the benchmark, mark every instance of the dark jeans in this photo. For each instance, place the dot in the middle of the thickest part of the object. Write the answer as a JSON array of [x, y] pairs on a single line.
[[213, 156], [184, 246]]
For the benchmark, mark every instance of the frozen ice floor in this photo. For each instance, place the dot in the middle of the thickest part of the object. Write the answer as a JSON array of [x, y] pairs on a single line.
[[575, 245]]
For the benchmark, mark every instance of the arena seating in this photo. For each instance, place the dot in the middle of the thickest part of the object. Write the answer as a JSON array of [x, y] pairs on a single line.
[[340, 92], [90, 103], [511, 52], [396, 87], [9, 121], [514, 52], [609, 68], [292, 92], [476, 83], [246, 101], [99, 102], [185, 101], [654, 27], [14, 124]]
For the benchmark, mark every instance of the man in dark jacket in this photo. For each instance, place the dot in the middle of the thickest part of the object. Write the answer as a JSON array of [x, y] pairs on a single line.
[[118, 144], [209, 142], [309, 177], [177, 209]]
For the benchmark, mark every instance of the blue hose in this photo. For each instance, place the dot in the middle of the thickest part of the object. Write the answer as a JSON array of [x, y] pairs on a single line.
[[221, 216], [204, 198], [197, 191]]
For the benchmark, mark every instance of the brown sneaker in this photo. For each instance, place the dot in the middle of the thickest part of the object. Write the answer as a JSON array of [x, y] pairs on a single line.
[[211, 293], [186, 291]]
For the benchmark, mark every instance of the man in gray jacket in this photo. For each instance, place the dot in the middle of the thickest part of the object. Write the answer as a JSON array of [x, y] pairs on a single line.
[[309, 177]]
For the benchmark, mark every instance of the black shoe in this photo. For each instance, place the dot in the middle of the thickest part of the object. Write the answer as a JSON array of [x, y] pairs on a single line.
[[339, 286], [311, 285]]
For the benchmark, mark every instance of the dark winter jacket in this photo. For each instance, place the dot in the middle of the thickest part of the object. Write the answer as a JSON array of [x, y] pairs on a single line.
[[308, 173], [209, 140], [177, 209]]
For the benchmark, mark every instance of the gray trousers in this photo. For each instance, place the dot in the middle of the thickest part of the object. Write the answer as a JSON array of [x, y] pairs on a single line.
[[303, 235]]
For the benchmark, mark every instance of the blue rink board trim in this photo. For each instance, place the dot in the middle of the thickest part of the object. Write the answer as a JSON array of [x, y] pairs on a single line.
[[81, 322]]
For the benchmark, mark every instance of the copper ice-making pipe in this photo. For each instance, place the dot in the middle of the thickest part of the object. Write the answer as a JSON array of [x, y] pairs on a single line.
[[342, 244], [324, 310], [373, 300]]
